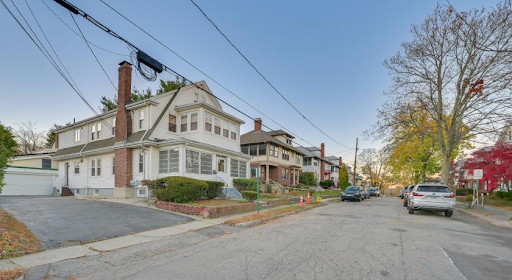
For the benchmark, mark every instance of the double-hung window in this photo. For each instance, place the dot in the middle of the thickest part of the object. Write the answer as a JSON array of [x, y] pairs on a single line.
[[141, 119], [225, 129], [193, 121], [98, 131], [96, 167], [262, 149], [172, 123], [77, 135], [114, 126], [233, 131], [286, 154], [168, 161], [274, 151], [192, 162], [77, 167], [184, 121], [253, 149], [141, 162], [208, 122], [238, 168], [113, 165], [217, 126], [93, 132]]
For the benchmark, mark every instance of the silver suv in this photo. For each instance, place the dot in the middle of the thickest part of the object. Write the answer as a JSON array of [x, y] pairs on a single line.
[[431, 196]]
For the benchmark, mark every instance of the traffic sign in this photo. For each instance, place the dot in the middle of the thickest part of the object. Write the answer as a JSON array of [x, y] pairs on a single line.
[[478, 174]]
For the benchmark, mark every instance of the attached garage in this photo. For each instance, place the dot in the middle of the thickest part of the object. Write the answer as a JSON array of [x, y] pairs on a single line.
[[29, 181]]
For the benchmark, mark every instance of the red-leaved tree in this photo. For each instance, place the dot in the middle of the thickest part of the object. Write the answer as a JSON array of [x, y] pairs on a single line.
[[496, 163]]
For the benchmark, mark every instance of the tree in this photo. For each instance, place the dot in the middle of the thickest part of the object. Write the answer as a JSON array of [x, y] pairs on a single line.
[[7, 150], [28, 138], [496, 163], [108, 104], [374, 165], [447, 70], [308, 179], [343, 177]]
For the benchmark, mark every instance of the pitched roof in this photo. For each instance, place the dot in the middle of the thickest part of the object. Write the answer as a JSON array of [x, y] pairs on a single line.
[[254, 137], [307, 152], [280, 132], [69, 150]]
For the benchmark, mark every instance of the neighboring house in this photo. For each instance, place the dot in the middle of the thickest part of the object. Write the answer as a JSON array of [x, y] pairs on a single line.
[[506, 133], [273, 154], [33, 174], [359, 178], [184, 132], [335, 164], [316, 162]]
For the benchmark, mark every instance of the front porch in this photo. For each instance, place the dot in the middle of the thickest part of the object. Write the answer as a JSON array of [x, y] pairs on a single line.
[[284, 175]]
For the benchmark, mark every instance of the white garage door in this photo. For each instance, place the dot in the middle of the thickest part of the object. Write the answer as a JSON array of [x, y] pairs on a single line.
[[28, 182]]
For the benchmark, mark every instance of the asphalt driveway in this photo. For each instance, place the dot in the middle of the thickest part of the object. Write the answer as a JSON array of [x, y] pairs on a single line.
[[60, 221]]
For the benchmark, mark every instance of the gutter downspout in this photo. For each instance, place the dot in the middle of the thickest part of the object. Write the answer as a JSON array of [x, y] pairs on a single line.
[[87, 162]]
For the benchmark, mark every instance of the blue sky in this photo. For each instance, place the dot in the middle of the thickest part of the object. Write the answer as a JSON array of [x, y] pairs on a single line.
[[324, 56]]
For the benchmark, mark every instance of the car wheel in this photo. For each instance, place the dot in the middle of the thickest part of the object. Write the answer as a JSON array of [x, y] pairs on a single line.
[[359, 200], [405, 203], [448, 213], [411, 210], [343, 200]]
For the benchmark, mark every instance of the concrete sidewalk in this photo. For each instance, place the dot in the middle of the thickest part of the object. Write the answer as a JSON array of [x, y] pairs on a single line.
[[496, 217]]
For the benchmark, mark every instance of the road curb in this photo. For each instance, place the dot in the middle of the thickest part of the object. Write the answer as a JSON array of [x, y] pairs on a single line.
[[493, 221], [261, 221]]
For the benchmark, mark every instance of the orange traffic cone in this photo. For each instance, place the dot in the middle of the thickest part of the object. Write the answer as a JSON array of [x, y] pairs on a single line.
[[300, 202], [308, 200]]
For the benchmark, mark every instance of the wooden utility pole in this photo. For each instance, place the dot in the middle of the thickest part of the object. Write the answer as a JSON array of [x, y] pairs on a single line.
[[355, 165]]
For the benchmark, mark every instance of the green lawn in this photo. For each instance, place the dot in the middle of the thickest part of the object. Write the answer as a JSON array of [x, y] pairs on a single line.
[[492, 201]]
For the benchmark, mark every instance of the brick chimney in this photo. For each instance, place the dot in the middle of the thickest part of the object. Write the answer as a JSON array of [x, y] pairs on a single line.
[[124, 97], [257, 124], [123, 156], [322, 164], [341, 162], [322, 150]]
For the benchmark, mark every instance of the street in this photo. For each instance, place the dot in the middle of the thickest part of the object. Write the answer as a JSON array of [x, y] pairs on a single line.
[[375, 239]]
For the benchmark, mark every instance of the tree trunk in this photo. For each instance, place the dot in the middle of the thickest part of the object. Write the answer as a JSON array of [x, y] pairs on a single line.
[[445, 171]]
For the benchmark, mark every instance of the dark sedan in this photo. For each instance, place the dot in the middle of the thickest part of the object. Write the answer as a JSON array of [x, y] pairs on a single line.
[[352, 193]]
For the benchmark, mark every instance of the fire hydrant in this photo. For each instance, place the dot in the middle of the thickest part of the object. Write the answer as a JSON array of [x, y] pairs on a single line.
[[318, 198]]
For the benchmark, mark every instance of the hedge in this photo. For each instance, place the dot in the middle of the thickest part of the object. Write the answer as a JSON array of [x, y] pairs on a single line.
[[463, 191], [249, 195], [308, 179], [245, 184], [327, 183], [180, 189], [506, 195], [214, 189]]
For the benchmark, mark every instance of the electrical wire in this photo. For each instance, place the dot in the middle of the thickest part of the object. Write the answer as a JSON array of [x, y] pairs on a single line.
[[262, 76], [202, 72], [72, 30], [88, 46]]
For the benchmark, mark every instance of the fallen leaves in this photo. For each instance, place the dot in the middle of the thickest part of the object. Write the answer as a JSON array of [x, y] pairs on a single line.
[[15, 238]]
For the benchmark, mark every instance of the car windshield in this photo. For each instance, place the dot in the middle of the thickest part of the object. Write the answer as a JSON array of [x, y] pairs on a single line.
[[438, 189], [352, 189]]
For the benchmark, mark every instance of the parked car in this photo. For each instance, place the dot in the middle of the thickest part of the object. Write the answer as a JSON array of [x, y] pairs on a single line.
[[407, 192], [366, 193], [433, 197], [402, 192], [374, 191], [352, 193]]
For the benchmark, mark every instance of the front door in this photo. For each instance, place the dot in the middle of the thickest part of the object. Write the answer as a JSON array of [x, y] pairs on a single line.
[[222, 168]]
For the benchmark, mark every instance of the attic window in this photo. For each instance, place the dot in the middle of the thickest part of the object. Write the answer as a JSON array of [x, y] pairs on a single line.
[[172, 123], [196, 97], [141, 119]]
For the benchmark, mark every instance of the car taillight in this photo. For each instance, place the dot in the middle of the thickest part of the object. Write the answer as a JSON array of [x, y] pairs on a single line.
[[452, 195], [417, 194]]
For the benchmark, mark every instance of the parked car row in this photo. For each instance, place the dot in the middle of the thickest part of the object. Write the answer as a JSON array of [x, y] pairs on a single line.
[[431, 196], [357, 193]]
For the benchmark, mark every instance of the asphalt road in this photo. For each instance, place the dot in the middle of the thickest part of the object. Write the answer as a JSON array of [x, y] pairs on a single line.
[[375, 239], [61, 221]]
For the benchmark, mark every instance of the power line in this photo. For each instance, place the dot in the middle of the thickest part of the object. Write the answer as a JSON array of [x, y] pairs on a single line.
[[72, 30], [262, 76], [88, 46], [202, 72]]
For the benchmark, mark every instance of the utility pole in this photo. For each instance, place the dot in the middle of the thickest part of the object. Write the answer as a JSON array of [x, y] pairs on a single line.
[[355, 165]]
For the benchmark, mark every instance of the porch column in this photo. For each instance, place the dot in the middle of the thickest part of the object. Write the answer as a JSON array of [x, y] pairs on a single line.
[[267, 168]]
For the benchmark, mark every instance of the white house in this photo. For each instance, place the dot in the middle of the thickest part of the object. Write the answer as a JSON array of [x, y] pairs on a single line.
[[184, 132]]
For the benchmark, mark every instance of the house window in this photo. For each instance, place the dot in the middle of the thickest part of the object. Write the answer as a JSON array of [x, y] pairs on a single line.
[[183, 123], [315, 163], [298, 159], [114, 126], [288, 141], [286, 154], [193, 121], [93, 132], [238, 168], [285, 173], [77, 135], [192, 162], [217, 126], [46, 163], [233, 131], [141, 192], [274, 151], [196, 96], [262, 149], [233, 135], [225, 129], [208, 122], [113, 165], [95, 167], [245, 149], [206, 163], [168, 161], [141, 119], [253, 150], [141, 162], [77, 192], [98, 132], [172, 123], [254, 170], [307, 161], [77, 167], [96, 192]]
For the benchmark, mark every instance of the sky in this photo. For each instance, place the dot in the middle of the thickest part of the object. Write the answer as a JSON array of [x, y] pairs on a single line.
[[324, 56]]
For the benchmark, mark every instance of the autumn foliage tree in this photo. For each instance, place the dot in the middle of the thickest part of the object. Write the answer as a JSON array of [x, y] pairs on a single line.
[[496, 163]]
